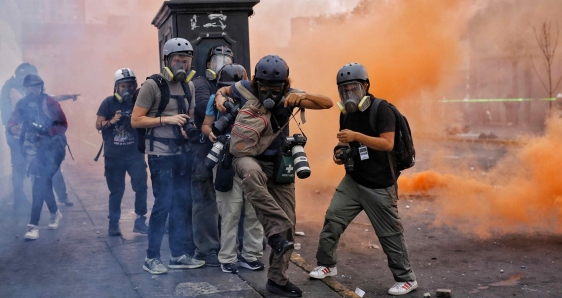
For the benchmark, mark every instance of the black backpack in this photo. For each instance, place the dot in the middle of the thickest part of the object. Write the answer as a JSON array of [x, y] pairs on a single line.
[[403, 152], [164, 100]]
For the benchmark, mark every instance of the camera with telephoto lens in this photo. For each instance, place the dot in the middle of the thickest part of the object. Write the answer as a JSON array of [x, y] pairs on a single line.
[[300, 162], [214, 156], [221, 125], [39, 128], [190, 130], [346, 155]]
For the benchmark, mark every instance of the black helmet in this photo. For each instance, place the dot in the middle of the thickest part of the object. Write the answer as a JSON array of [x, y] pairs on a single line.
[[220, 50], [32, 80], [231, 73], [352, 72], [24, 69], [272, 68]]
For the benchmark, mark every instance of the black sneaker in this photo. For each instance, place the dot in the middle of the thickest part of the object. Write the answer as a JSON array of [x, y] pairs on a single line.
[[66, 202], [279, 245], [288, 290], [255, 265], [229, 268], [140, 226], [114, 229], [211, 260]]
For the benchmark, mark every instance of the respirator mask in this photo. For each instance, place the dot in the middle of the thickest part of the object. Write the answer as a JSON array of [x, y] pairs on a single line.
[[353, 97], [215, 64], [179, 72], [271, 94]]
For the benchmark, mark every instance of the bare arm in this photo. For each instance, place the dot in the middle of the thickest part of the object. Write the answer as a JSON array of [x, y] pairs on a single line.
[[383, 143], [140, 120], [308, 101], [220, 99]]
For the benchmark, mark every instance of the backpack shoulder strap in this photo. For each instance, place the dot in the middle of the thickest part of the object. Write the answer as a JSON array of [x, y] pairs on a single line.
[[187, 91], [373, 115], [164, 92], [245, 92]]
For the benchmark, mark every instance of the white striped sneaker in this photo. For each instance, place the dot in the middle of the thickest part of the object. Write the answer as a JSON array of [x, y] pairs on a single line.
[[322, 271], [403, 288]]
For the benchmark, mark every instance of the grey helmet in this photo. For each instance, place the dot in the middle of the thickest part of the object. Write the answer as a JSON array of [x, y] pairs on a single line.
[[177, 45], [272, 68], [352, 72]]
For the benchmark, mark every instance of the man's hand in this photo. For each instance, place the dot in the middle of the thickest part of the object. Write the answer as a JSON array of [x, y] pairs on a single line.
[[178, 120], [347, 136], [219, 102], [294, 99], [212, 137], [116, 118], [337, 160], [16, 130], [74, 96]]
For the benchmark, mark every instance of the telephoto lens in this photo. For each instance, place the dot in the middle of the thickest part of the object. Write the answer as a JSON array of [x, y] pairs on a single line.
[[300, 162], [214, 155], [190, 130]]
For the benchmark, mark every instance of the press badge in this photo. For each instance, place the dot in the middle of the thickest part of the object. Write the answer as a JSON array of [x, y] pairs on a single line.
[[363, 153]]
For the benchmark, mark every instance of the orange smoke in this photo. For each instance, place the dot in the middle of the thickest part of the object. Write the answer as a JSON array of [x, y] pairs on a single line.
[[529, 200]]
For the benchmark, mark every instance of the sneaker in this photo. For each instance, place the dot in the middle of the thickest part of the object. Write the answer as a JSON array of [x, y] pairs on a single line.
[[211, 260], [140, 226], [288, 290], [32, 232], [322, 271], [255, 265], [185, 262], [66, 202], [154, 266], [403, 288], [55, 220], [229, 268], [279, 245], [113, 229]]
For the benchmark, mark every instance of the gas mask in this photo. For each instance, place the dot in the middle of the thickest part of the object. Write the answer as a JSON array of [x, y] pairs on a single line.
[[125, 95], [179, 73], [33, 91], [271, 95], [353, 97], [215, 64]]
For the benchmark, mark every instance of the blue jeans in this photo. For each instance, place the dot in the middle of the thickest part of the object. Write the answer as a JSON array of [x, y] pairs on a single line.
[[171, 193], [115, 171]]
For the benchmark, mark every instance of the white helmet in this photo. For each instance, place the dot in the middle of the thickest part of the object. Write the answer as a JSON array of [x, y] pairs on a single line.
[[124, 75]]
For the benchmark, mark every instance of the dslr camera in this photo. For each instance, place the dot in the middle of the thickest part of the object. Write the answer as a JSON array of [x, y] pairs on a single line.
[[300, 161], [346, 155], [216, 154], [190, 130], [221, 125]]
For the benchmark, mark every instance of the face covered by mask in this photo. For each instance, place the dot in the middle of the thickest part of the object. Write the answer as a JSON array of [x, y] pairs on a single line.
[[353, 97], [180, 64], [271, 93], [215, 65], [125, 91], [33, 91]]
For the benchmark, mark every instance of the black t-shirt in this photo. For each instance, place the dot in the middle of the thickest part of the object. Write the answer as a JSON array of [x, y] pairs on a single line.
[[203, 90], [121, 139], [373, 172]]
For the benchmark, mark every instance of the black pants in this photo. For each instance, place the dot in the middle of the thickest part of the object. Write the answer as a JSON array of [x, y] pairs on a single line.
[[43, 167], [115, 171], [205, 215]]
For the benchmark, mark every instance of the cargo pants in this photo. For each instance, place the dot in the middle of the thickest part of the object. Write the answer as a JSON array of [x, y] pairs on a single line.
[[380, 206], [274, 205], [230, 205]]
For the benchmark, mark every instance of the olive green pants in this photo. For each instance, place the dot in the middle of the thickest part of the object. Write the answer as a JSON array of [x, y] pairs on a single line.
[[380, 206], [275, 208]]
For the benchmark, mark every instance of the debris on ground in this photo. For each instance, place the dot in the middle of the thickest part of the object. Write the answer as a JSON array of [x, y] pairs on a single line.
[[426, 295], [501, 271], [359, 292], [372, 245], [407, 206], [523, 267], [297, 246], [299, 233], [443, 293]]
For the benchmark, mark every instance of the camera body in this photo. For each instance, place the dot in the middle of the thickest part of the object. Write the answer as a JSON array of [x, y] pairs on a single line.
[[39, 128], [296, 144], [221, 125], [346, 155], [190, 130], [214, 156]]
